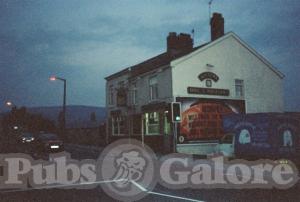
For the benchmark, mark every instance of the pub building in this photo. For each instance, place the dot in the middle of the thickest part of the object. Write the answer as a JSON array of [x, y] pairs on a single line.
[[220, 77]]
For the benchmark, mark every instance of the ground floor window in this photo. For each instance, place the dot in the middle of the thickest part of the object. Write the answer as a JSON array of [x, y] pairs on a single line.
[[152, 123], [118, 125], [167, 126]]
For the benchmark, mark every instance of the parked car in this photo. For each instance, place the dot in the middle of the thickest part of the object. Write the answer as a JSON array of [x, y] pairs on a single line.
[[27, 138], [48, 142]]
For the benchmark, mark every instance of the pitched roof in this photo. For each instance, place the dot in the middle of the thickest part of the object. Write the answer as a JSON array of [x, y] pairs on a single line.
[[152, 63], [243, 43], [166, 58]]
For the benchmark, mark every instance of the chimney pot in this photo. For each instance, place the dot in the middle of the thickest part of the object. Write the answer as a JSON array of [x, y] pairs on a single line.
[[179, 43]]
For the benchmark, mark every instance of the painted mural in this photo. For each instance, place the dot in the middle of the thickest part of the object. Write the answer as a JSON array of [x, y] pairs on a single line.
[[203, 120]]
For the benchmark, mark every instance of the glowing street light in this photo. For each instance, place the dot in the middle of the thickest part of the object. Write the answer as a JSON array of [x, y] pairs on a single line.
[[9, 103], [54, 78]]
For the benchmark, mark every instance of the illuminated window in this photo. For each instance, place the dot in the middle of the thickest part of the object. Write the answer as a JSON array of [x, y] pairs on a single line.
[[152, 123], [239, 88]]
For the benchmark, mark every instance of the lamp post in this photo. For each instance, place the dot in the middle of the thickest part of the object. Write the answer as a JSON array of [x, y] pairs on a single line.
[[54, 78], [11, 105], [13, 108]]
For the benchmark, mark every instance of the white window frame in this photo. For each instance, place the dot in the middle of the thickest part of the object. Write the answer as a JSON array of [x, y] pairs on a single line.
[[147, 124], [117, 119], [239, 88]]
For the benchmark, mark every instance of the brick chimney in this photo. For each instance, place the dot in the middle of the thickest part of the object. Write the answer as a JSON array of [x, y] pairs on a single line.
[[216, 26], [179, 43]]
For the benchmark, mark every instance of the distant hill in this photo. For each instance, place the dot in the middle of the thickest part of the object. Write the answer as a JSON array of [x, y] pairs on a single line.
[[76, 116]]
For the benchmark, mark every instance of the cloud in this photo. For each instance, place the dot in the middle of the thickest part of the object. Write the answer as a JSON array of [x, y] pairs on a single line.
[[86, 41]]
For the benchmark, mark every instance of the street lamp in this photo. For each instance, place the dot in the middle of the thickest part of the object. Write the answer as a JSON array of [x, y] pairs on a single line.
[[54, 78], [11, 105]]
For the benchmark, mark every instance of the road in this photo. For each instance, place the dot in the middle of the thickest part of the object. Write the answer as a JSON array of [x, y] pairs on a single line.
[[159, 193]]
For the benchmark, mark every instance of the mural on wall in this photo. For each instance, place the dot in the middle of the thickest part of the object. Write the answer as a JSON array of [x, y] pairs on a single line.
[[202, 120]]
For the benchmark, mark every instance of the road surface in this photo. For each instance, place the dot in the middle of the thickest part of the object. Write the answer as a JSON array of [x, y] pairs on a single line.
[[158, 194]]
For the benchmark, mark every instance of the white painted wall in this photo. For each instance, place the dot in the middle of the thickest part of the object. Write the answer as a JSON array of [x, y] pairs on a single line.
[[164, 79], [231, 60]]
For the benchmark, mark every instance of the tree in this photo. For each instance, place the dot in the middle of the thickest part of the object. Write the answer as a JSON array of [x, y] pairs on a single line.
[[26, 121]]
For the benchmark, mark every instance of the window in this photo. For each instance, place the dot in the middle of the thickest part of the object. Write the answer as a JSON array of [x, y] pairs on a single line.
[[134, 94], [152, 123], [153, 88], [239, 88], [111, 95], [118, 125], [167, 125], [208, 83]]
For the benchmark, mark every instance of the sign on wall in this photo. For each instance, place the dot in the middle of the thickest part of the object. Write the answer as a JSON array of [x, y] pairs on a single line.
[[208, 75], [208, 91]]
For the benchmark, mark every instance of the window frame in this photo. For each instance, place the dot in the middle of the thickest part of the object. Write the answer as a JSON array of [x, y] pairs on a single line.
[[147, 124], [111, 95], [134, 91], [117, 120], [239, 87], [153, 88]]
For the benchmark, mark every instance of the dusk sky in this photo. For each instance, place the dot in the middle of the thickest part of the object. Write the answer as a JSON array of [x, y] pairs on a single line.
[[87, 40]]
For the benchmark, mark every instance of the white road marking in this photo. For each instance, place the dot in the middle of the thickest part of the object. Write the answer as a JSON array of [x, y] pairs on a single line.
[[139, 186], [173, 196], [162, 194]]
